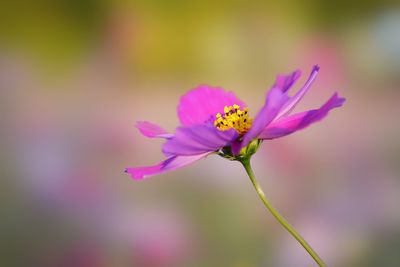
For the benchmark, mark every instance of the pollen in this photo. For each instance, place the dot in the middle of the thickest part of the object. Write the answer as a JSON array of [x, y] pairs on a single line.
[[235, 118]]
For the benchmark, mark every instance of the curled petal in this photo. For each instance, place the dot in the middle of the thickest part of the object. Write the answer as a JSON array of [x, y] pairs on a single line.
[[276, 98], [292, 102], [198, 139], [152, 130], [285, 82], [202, 103], [293, 123], [170, 164]]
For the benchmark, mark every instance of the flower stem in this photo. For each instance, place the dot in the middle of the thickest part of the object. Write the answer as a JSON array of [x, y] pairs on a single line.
[[281, 220]]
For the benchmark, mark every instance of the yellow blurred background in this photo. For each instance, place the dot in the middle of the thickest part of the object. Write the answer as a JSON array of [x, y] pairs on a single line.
[[76, 75]]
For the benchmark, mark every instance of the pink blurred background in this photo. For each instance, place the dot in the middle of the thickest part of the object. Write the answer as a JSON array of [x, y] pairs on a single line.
[[76, 75]]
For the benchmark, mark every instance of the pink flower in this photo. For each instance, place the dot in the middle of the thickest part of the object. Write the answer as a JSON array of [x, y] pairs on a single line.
[[216, 121]]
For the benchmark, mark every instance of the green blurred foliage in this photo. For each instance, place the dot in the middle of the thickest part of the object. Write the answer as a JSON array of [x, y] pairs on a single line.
[[171, 36]]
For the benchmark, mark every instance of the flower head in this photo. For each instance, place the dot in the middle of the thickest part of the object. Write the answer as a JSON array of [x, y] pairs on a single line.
[[216, 121]]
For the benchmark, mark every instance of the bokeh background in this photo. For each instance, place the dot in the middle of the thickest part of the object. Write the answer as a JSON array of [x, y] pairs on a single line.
[[76, 75]]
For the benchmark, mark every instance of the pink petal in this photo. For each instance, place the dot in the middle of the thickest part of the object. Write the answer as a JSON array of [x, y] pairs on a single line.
[[276, 98], [201, 104], [152, 130], [292, 102], [293, 123], [197, 139], [285, 81], [169, 164]]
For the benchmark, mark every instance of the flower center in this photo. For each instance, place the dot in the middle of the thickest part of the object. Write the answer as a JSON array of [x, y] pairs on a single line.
[[235, 118]]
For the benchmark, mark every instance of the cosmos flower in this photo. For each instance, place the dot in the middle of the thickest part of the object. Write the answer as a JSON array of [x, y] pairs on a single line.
[[214, 121], [217, 122]]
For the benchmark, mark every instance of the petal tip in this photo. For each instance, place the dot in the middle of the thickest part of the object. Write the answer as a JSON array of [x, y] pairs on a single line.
[[339, 101], [138, 124], [152, 130], [134, 173]]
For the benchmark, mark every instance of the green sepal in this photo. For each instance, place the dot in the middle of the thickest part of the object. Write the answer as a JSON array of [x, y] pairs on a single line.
[[244, 154]]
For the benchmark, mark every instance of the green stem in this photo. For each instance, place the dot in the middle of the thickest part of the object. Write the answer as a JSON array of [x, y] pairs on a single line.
[[281, 220]]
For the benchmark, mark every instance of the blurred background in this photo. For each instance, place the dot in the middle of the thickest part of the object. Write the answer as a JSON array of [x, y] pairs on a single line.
[[76, 75]]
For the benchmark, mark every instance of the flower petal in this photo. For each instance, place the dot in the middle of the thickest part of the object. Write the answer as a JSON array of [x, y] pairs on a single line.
[[293, 123], [201, 104], [285, 82], [172, 163], [152, 130], [276, 98], [197, 139], [292, 102]]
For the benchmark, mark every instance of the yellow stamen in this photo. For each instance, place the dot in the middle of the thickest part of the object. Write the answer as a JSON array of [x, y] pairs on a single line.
[[235, 118]]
